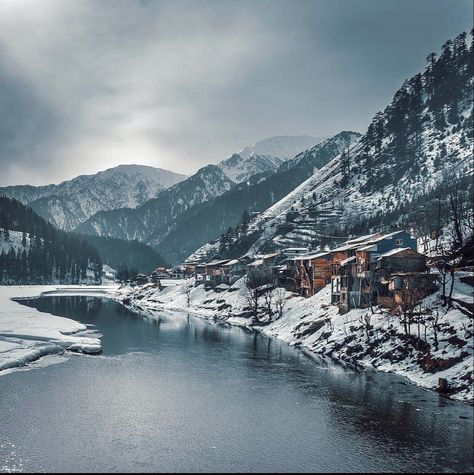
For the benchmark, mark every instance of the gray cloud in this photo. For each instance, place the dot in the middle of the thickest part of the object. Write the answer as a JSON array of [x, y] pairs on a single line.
[[85, 85]]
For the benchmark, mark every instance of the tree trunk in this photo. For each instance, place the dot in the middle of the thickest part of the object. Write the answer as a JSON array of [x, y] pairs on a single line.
[[451, 288]]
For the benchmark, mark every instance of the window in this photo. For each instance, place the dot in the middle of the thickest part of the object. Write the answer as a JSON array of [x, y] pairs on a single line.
[[399, 242]]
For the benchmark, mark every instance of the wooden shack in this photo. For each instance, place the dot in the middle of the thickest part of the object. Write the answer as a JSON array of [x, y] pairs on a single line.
[[403, 278], [312, 272]]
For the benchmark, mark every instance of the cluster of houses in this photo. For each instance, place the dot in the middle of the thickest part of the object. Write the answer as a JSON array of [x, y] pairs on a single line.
[[377, 269]]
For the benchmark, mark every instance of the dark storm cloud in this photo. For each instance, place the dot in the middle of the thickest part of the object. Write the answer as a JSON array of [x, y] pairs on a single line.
[[85, 85]]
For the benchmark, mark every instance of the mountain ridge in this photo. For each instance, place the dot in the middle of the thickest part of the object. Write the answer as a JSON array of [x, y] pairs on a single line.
[[69, 203]]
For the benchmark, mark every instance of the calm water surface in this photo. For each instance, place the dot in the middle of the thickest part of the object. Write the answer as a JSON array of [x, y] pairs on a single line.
[[182, 394]]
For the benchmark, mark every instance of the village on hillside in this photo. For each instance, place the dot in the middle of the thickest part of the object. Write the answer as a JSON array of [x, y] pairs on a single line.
[[378, 269]]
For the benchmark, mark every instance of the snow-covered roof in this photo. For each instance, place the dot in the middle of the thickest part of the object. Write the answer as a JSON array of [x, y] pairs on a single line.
[[295, 249], [387, 236], [256, 263], [346, 261], [267, 256], [217, 263], [309, 256], [370, 247], [345, 248], [394, 251], [361, 238], [231, 263]]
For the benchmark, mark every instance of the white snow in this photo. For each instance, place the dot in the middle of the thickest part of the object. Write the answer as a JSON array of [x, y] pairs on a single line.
[[266, 155], [27, 334]]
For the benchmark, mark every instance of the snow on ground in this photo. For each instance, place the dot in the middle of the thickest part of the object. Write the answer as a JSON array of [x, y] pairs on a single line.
[[27, 334], [358, 337]]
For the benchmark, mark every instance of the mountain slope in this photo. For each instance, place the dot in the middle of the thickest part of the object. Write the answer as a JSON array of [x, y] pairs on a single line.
[[72, 202], [422, 142], [266, 155], [208, 220], [32, 251], [118, 253], [152, 221]]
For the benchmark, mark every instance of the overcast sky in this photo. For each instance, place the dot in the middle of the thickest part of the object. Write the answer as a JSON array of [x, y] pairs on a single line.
[[87, 85]]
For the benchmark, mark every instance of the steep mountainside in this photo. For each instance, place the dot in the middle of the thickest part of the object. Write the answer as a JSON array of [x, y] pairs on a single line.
[[152, 221], [420, 145], [208, 220], [266, 155], [72, 202], [119, 254]]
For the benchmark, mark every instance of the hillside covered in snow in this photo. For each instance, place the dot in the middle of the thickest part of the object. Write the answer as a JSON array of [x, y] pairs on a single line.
[[71, 202], [214, 217], [150, 222], [266, 155], [409, 169]]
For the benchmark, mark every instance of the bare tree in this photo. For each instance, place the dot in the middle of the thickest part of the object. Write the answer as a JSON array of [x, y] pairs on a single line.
[[280, 301], [251, 296], [434, 325], [443, 269], [187, 291], [268, 297], [365, 321]]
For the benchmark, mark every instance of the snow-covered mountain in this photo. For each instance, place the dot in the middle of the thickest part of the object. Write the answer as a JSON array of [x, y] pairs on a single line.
[[72, 202], [210, 219], [153, 220], [418, 149], [266, 155]]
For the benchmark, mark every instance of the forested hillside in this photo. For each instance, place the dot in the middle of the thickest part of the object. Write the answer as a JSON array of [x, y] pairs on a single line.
[[152, 221], [32, 251], [415, 159], [119, 254]]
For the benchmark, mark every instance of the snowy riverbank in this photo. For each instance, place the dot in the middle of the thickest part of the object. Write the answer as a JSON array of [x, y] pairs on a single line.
[[359, 337], [27, 334]]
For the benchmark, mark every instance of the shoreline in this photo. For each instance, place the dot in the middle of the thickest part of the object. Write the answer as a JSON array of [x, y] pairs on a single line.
[[306, 314], [138, 300], [28, 335]]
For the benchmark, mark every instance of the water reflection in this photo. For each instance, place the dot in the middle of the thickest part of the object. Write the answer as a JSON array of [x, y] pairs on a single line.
[[170, 387]]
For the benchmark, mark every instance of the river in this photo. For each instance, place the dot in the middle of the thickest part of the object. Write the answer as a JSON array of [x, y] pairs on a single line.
[[176, 393]]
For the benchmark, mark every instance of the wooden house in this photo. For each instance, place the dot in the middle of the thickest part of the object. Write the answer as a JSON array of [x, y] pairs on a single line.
[[341, 279], [214, 272], [403, 278], [232, 271], [310, 273], [353, 277]]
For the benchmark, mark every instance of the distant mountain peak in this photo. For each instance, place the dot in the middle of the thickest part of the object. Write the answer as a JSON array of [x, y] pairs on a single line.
[[265, 155], [283, 147]]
